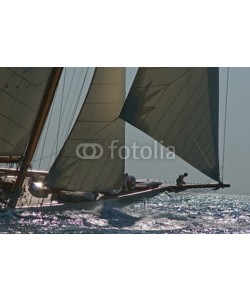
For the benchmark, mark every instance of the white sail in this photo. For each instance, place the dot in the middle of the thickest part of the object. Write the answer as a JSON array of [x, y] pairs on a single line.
[[77, 168], [21, 94], [179, 107]]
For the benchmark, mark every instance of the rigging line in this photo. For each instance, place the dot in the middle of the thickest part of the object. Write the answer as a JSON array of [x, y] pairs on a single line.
[[52, 154], [55, 142], [65, 124], [44, 142], [60, 116], [76, 105], [70, 123], [225, 123], [46, 133], [45, 137]]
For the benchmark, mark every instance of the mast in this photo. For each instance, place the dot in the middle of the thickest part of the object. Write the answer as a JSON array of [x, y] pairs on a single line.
[[36, 132]]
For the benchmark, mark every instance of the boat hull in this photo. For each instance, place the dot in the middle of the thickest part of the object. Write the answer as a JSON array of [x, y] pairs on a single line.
[[113, 201], [55, 203]]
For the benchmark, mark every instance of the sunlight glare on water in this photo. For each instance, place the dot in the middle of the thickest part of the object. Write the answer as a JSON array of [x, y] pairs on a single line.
[[200, 213]]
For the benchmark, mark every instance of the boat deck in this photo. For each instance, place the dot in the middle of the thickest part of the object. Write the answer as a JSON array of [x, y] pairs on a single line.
[[77, 200]]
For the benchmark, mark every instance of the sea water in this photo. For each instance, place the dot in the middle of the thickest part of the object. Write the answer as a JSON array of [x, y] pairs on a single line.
[[163, 214]]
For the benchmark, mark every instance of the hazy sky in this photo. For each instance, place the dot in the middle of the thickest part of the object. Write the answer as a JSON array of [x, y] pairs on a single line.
[[237, 162]]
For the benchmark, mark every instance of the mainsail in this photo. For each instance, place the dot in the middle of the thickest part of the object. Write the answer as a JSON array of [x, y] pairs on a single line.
[[81, 165], [21, 94], [179, 107]]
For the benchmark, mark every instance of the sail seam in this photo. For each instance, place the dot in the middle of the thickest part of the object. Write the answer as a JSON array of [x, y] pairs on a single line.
[[163, 93], [185, 105], [19, 101], [25, 79], [175, 99], [78, 100], [92, 163]]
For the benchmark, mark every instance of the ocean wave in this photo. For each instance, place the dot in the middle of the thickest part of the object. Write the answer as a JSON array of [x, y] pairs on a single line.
[[205, 213]]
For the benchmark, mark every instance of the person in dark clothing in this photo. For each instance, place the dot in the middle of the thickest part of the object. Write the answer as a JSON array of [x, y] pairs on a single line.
[[180, 179]]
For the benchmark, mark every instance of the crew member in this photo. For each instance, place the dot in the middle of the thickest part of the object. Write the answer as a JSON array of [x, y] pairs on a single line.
[[129, 182], [180, 179]]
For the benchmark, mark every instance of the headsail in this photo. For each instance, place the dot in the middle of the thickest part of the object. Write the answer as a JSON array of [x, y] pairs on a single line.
[[21, 94], [97, 124], [179, 107]]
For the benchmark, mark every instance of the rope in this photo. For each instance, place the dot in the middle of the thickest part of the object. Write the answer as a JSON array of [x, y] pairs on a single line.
[[225, 123], [61, 107], [47, 129], [55, 145], [65, 123], [76, 105], [48, 156], [45, 136], [70, 121]]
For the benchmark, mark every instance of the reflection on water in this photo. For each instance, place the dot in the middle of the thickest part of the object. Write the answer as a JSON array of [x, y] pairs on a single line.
[[206, 213]]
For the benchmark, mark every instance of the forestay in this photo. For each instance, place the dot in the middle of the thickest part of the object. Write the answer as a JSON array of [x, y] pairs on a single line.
[[81, 166], [179, 107], [21, 94]]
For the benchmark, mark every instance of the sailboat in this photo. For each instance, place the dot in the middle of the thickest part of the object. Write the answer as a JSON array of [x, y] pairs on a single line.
[[175, 106]]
